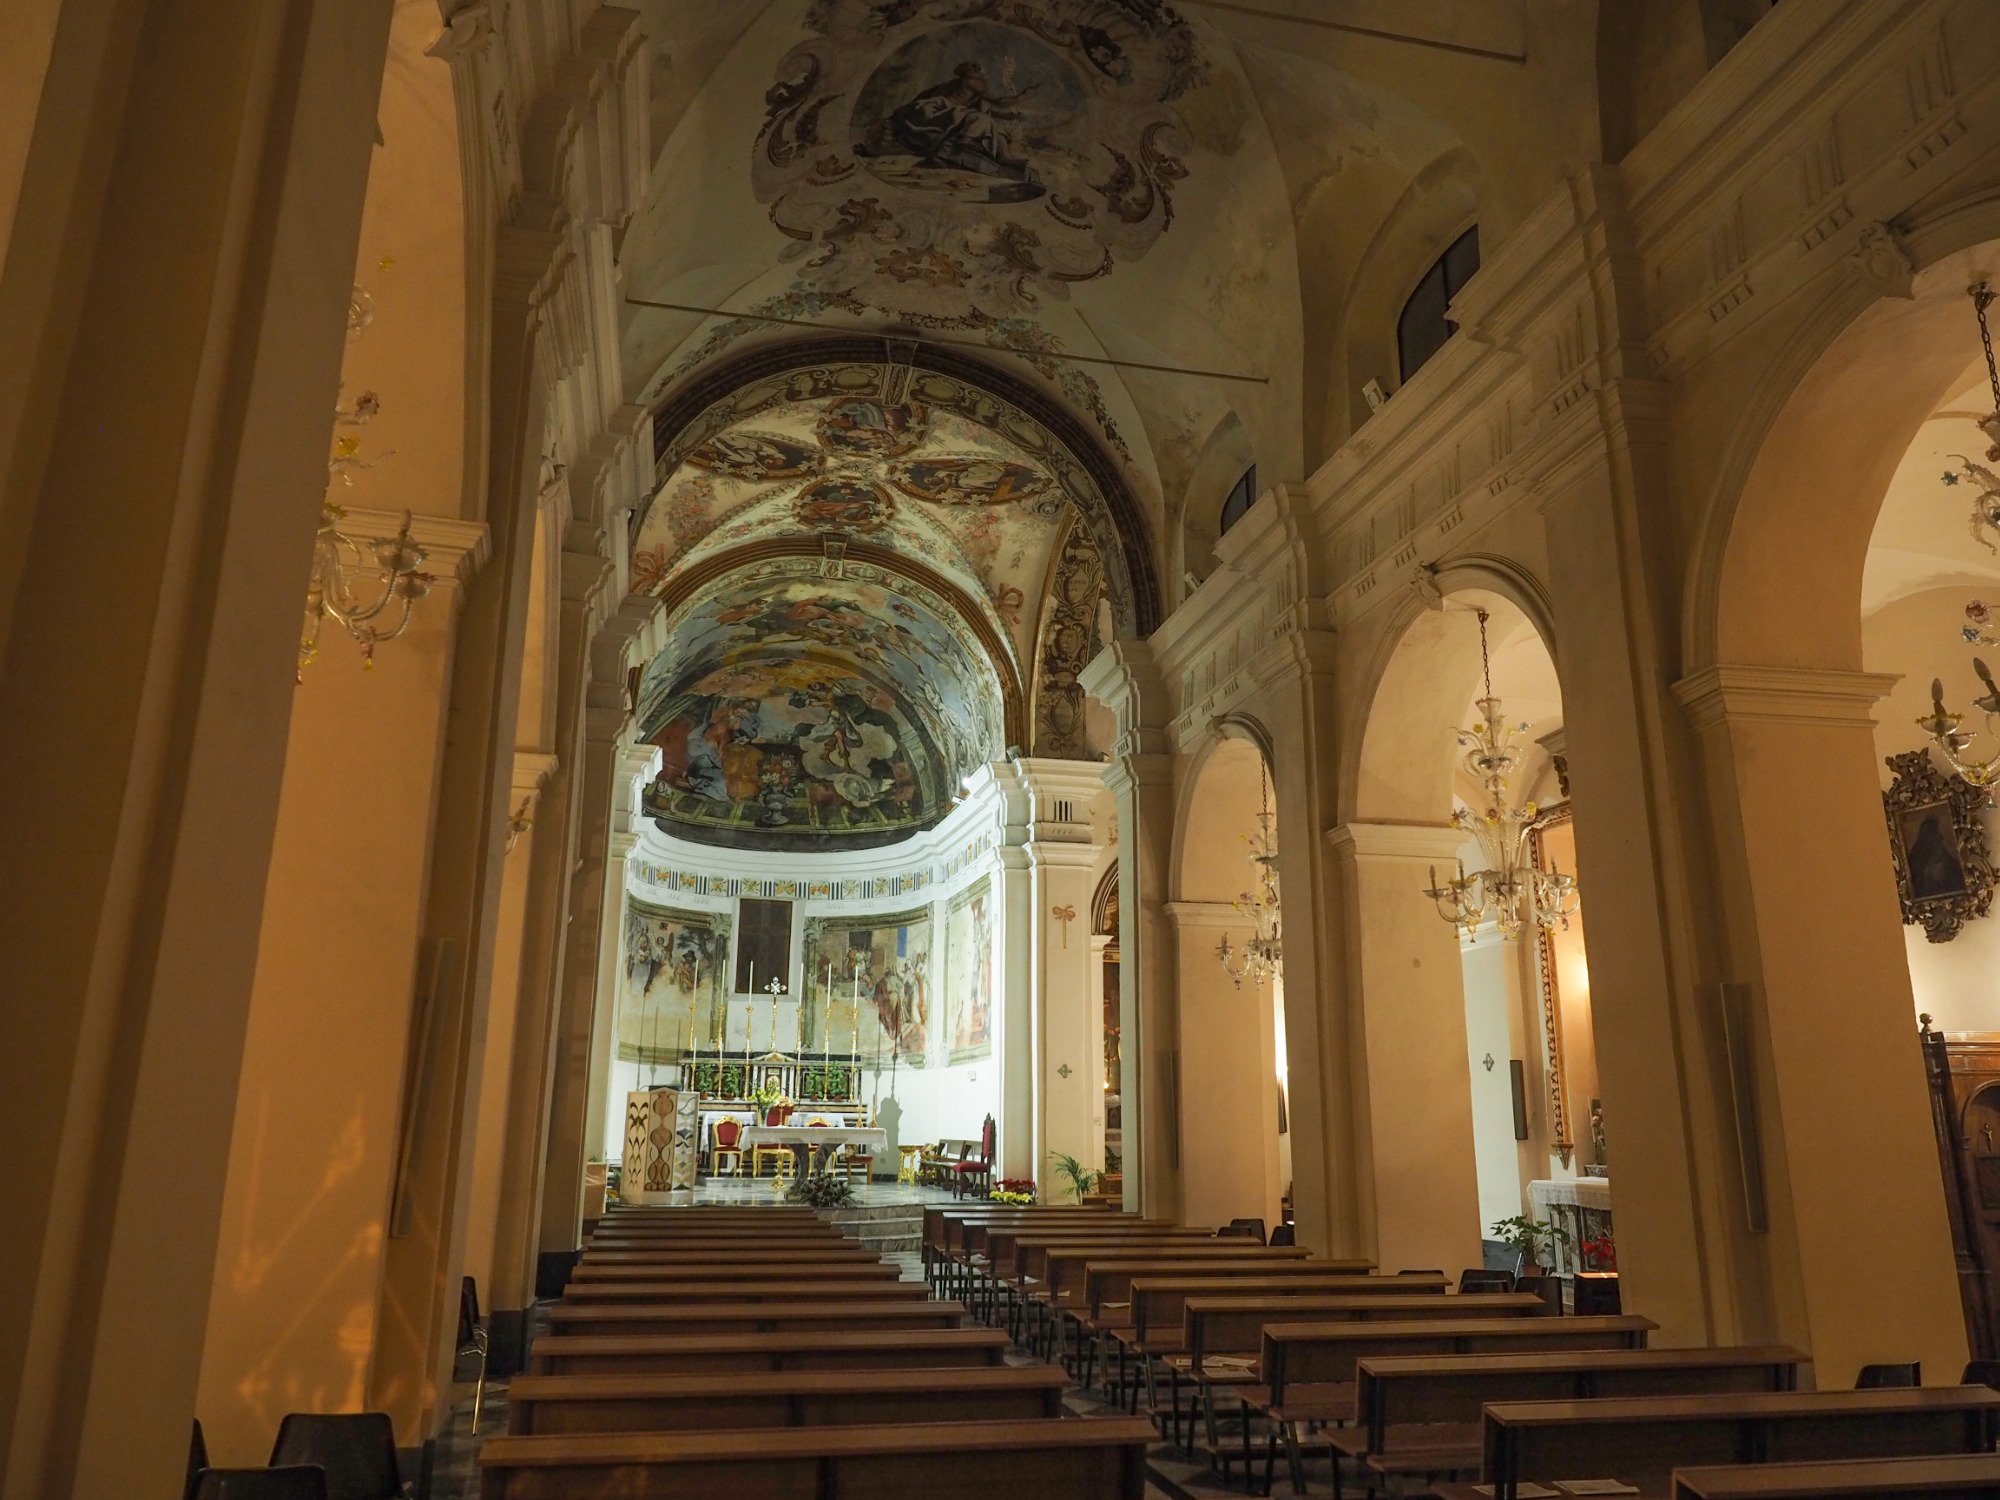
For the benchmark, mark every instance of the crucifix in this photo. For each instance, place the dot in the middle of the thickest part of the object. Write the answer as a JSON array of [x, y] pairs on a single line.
[[774, 989], [1064, 915]]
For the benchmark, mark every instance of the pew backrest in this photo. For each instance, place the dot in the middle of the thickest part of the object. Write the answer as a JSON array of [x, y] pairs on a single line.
[[1062, 1267], [784, 1398], [1297, 1351], [1642, 1440], [1971, 1476], [1405, 1390], [794, 1349], [1154, 1295], [1234, 1326]]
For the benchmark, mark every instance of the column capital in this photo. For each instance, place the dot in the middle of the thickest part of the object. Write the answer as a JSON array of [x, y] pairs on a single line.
[[1740, 693], [1139, 772], [1411, 841], [1060, 854]]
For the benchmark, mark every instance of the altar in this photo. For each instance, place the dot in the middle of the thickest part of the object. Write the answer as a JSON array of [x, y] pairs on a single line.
[[802, 1138], [1580, 1205]]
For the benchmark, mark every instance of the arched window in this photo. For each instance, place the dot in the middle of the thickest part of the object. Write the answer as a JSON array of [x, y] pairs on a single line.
[[1241, 497], [1423, 327]]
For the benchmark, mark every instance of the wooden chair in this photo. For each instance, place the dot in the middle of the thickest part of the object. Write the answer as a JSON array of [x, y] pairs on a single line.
[[293, 1482], [728, 1146], [1890, 1377], [357, 1450], [975, 1173]]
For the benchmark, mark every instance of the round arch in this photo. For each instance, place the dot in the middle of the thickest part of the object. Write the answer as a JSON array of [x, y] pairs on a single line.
[[1111, 510], [1839, 406], [1425, 663], [1234, 746]]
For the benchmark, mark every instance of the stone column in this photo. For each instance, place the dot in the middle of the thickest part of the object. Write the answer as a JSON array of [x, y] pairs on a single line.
[[196, 173], [341, 1020], [1229, 1078], [605, 718], [622, 838], [1411, 1084], [1067, 1034], [1140, 777], [505, 1026], [1824, 1017]]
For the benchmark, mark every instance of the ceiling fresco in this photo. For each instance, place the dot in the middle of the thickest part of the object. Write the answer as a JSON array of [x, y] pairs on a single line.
[[947, 476], [953, 159], [790, 708]]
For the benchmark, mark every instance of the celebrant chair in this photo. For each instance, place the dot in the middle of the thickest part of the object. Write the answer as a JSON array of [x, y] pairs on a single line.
[[728, 1146], [975, 1173]]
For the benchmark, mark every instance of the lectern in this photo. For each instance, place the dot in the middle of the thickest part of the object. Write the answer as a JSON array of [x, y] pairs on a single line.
[[662, 1142]]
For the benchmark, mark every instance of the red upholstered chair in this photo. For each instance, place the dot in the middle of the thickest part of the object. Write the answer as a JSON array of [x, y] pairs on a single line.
[[975, 1173], [729, 1144]]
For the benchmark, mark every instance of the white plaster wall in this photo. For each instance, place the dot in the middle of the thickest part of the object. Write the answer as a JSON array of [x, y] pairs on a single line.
[[1957, 983], [1487, 1002]]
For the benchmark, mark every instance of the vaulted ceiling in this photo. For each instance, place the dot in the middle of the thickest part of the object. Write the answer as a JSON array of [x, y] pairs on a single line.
[[1152, 224]]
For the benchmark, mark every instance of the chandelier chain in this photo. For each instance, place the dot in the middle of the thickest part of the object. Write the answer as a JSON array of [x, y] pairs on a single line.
[[1485, 661], [1982, 298]]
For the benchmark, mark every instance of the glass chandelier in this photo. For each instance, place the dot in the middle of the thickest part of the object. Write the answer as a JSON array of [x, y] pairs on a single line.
[[1985, 481], [1512, 890], [1263, 956], [398, 560], [1940, 723]]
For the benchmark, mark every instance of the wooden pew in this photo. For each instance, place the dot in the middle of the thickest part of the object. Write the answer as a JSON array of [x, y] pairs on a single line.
[[681, 1295], [1078, 1458], [1642, 1440], [1053, 1272], [661, 1285], [769, 1317], [1220, 1337], [946, 1230], [1961, 1478], [710, 1213], [1421, 1414], [777, 1235], [648, 1269], [727, 1250], [1306, 1372], [978, 1247], [1136, 1306], [811, 1349], [787, 1398]]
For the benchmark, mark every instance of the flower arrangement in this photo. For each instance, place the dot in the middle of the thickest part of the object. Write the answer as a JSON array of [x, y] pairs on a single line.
[[1598, 1253], [821, 1190], [769, 1096], [1015, 1190], [1001, 1195]]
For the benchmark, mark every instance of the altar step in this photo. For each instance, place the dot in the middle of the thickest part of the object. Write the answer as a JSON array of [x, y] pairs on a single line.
[[889, 1228]]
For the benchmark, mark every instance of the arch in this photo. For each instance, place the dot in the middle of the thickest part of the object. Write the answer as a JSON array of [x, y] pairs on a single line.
[[1441, 202], [1222, 752], [1778, 460], [1110, 508], [1225, 455], [690, 581], [1429, 675]]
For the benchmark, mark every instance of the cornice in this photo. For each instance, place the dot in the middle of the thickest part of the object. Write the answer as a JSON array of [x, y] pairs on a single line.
[[1813, 696], [1411, 841], [1206, 914], [532, 768], [453, 549]]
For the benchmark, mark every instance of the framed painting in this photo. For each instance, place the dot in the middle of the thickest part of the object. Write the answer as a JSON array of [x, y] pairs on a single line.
[[1937, 841]]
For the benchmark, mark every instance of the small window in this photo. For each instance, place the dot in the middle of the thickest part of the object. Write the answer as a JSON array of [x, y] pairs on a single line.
[[1241, 498], [1423, 328]]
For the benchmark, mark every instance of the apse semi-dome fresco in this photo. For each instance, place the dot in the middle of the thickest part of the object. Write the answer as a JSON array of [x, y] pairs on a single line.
[[791, 707]]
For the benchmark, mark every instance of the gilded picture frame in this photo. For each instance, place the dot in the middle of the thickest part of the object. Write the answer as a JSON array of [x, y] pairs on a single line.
[[1937, 844]]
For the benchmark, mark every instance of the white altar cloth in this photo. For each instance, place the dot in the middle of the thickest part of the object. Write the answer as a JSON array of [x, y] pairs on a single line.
[[871, 1138]]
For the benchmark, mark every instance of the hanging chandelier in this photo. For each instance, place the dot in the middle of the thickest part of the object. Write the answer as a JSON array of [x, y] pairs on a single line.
[[1512, 891], [1263, 956], [1985, 481], [398, 560], [1941, 724]]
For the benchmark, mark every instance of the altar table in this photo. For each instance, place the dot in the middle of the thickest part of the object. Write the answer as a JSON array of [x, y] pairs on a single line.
[[802, 1138]]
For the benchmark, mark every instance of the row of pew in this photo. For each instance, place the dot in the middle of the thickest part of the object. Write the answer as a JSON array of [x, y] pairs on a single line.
[[1398, 1383], [762, 1354]]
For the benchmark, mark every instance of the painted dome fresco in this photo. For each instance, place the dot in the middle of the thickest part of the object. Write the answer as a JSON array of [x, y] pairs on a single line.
[[787, 706]]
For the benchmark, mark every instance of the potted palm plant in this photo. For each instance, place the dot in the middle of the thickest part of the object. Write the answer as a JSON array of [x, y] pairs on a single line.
[[1081, 1179], [1531, 1239]]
